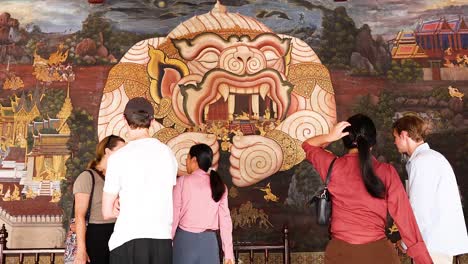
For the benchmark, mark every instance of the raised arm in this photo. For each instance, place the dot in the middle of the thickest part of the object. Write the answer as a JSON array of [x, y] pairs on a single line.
[[335, 134]]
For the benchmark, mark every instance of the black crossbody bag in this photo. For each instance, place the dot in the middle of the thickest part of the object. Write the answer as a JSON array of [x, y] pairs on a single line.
[[322, 200]]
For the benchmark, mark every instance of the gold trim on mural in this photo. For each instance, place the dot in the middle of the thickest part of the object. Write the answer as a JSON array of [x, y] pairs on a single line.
[[166, 134], [292, 150], [306, 75], [159, 60], [133, 76], [163, 108], [179, 126]]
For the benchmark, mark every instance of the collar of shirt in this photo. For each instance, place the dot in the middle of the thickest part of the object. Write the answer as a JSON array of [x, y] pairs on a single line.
[[199, 172], [418, 149]]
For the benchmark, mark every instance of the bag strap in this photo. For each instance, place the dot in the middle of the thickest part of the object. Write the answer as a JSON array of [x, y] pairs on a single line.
[[327, 180], [88, 212]]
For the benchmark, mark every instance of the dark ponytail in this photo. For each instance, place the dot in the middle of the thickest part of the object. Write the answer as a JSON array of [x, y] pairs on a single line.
[[217, 186], [204, 157], [362, 135]]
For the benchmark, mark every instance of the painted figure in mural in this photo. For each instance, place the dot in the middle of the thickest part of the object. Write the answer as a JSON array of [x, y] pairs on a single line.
[[92, 239], [140, 178], [269, 195], [433, 192], [200, 208], [454, 92], [362, 191], [7, 195], [214, 67]]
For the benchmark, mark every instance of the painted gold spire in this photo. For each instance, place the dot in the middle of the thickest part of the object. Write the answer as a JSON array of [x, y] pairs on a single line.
[[65, 113]]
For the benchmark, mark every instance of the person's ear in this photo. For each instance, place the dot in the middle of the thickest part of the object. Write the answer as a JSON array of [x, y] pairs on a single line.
[[404, 134], [107, 151]]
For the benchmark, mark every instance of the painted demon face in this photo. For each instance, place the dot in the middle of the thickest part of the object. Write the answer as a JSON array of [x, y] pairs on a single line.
[[223, 74]]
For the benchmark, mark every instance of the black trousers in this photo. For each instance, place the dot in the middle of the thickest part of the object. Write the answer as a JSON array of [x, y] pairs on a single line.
[[143, 251], [97, 240]]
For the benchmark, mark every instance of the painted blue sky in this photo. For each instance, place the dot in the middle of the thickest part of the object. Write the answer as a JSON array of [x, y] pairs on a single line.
[[385, 17]]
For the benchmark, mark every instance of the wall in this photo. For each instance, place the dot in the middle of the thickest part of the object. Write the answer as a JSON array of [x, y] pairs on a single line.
[[112, 56]]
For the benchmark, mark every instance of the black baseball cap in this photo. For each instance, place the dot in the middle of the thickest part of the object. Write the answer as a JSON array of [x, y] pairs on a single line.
[[139, 105]]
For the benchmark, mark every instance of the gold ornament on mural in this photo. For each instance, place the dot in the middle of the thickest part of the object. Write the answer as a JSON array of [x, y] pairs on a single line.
[[13, 83], [64, 114], [30, 194], [133, 76], [233, 192], [56, 195], [166, 134], [15, 196], [248, 216], [164, 107], [305, 76], [226, 145], [454, 92], [179, 125], [159, 60], [269, 196], [292, 151], [219, 129], [59, 56], [46, 70]]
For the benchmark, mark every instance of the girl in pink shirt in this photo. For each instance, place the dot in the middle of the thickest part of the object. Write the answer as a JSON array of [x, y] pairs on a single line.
[[201, 208]]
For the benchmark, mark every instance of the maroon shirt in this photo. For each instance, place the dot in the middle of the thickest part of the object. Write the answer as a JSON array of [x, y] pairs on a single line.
[[359, 218]]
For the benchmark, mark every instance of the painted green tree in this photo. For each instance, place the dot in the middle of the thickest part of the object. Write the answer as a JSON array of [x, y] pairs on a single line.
[[382, 114], [82, 144], [305, 182], [52, 103], [338, 38], [405, 71]]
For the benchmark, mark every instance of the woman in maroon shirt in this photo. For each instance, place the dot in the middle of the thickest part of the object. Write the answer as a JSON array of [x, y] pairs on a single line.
[[362, 191]]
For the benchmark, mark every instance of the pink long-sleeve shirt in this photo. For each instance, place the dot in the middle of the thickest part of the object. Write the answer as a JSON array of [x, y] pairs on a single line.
[[195, 211]]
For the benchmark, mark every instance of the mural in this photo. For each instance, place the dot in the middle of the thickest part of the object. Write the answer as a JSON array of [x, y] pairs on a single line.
[[211, 79], [252, 79]]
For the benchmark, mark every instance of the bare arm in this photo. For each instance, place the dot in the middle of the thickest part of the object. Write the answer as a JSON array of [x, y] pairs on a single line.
[[335, 134], [81, 207], [108, 201]]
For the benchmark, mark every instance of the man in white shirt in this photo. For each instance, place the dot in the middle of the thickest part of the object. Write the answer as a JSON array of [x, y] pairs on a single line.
[[433, 192], [140, 177]]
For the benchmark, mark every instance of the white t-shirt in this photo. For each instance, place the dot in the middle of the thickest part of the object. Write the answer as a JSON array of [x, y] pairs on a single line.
[[435, 198], [143, 174]]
